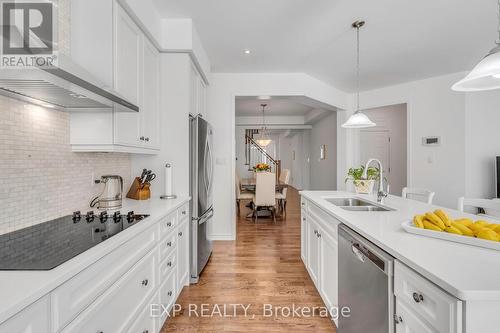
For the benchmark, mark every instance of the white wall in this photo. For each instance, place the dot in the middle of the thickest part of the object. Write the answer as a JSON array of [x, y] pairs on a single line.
[[392, 119], [482, 134], [222, 92], [324, 172], [433, 109], [174, 127]]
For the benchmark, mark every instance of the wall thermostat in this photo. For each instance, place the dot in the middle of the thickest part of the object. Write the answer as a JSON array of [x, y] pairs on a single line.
[[431, 141]]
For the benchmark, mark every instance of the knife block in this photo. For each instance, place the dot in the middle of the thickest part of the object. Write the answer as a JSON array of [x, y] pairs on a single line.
[[139, 191]]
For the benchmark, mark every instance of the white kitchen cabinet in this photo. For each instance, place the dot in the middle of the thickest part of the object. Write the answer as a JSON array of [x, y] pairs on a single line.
[[408, 322], [134, 68], [183, 255], [427, 301], [150, 111], [126, 298], [34, 318], [328, 279], [128, 54], [313, 251], [198, 92], [303, 238]]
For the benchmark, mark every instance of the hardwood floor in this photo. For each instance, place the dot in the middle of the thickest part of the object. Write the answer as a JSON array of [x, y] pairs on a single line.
[[263, 266]]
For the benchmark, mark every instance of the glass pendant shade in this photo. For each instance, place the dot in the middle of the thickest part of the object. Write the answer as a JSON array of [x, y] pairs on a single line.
[[358, 120], [263, 142], [485, 76]]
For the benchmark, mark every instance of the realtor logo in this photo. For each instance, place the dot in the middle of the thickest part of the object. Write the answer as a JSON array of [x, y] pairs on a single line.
[[28, 32]]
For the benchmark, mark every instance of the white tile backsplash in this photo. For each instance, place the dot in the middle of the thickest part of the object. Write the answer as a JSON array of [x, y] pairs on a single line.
[[40, 178]]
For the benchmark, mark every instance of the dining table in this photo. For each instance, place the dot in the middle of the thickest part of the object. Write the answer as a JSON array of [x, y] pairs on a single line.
[[249, 184]]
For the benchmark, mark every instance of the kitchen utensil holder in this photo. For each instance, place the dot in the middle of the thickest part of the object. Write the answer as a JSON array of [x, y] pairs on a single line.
[[139, 191]]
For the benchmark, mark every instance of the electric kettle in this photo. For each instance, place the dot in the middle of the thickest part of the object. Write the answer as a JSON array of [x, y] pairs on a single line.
[[111, 196]]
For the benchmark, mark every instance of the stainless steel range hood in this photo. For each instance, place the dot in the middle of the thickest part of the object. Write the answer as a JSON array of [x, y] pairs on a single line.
[[66, 87]]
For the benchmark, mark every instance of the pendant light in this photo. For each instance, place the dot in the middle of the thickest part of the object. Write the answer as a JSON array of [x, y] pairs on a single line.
[[358, 119], [486, 74], [264, 140]]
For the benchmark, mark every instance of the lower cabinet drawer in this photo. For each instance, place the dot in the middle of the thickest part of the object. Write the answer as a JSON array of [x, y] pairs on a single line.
[[167, 245], [168, 293], [168, 266], [183, 212], [408, 322], [145, 323], [168, 223], [33, 319], [441, 310], [79, 292], [114, 310]]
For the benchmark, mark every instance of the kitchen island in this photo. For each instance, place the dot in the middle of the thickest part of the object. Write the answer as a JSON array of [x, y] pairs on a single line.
[[464, 279]]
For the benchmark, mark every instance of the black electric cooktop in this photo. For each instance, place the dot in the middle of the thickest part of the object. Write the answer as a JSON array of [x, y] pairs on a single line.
[[47, 245]]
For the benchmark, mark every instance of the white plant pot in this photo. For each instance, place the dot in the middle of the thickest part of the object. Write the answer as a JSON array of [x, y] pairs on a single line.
[[364, 186]]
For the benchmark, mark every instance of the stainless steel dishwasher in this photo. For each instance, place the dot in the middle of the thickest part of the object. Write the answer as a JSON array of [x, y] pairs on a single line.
[[365, 285]]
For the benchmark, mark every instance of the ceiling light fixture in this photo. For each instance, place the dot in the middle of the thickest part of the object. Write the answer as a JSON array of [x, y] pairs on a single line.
[[486, 74], [247, 51], [263, 140], [264, 97], [358, 119]]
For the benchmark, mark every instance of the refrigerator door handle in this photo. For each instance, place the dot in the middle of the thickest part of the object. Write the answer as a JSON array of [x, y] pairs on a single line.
[[206, 218], [209, 166]]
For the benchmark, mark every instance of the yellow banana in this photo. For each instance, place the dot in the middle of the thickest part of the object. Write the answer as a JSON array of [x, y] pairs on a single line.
[[478, 225], [418, 221], [488, 234], [435, 219], [431, 226], [453, 230], [466, 222], [443, 216], [465, 231]]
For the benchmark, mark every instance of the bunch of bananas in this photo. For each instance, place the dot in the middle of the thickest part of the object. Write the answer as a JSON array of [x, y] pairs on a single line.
[[440, 221]]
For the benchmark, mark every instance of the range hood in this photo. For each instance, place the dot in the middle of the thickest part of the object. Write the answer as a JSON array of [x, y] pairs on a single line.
[[66, 86]]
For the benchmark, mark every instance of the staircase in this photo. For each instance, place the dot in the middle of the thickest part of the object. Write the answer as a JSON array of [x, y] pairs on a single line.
[[255, 154]]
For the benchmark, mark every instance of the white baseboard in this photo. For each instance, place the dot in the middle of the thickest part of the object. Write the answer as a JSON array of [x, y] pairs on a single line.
[[222, 237]]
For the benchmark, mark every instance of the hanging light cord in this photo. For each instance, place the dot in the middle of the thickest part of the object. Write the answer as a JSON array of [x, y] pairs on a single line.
[[357, 67], [498, 27]]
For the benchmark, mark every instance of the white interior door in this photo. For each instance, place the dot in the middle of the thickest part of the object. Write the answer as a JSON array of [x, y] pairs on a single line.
[[376, 144]]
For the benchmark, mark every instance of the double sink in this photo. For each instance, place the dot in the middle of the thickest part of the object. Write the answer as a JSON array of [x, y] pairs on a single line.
[[357, 205]]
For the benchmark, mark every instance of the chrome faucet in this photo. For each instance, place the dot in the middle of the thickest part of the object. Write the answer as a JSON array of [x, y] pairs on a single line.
[[381, 194]]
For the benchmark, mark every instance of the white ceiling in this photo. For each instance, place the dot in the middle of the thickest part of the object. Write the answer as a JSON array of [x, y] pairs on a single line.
[[251, 106], [403, 40]]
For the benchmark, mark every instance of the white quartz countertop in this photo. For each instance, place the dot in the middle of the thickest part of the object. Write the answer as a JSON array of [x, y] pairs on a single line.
[[19, 289], [467, 272]]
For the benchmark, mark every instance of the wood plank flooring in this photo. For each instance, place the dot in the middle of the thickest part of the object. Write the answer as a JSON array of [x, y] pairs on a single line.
[[263, 266]]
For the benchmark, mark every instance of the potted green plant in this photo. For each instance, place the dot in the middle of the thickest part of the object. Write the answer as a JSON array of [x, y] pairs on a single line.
[[363, 186]]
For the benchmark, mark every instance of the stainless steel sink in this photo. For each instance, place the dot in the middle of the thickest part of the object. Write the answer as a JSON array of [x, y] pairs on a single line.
[[357, 205]]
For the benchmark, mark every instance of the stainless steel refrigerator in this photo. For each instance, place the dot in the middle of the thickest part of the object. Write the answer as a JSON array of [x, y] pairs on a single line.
[[201, 188]]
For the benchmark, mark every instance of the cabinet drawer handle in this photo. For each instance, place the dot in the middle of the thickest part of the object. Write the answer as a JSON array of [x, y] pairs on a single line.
[[303, 219], [319, 235], [316, 232], [169, 224], [169, 264], [141, 138], [146, 139], [303, 204], [145, 331], [169, 244], [398, 319], [145, 282], [418, 297], [169, 293], [180, 234], [183, 212]]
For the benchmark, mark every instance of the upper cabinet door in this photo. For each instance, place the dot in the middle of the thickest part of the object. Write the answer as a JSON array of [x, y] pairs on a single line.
[[127, 77], [150, 110]]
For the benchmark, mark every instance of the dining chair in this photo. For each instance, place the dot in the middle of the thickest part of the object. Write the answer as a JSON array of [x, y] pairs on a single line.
[[265, 194], [241, 195], [281, 196], [418, 194], [490, 207]]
